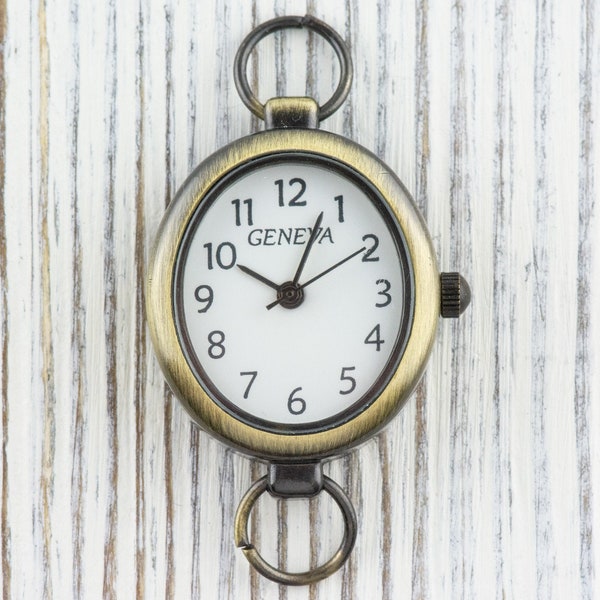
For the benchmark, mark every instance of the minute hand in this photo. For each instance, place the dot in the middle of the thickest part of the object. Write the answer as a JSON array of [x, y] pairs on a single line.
[[311, 240]]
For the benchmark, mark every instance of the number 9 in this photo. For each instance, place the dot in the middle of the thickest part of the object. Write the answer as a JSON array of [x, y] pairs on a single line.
[[205, 298]]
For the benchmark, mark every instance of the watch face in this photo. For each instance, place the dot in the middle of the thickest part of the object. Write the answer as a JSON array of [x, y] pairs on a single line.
[[293, 293]]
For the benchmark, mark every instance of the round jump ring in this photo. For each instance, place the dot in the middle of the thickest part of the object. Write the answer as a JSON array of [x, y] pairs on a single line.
[[335, 41], [307, 577]]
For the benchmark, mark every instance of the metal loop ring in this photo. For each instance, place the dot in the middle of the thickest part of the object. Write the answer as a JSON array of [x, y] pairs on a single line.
[[307, 577], [335, 41]]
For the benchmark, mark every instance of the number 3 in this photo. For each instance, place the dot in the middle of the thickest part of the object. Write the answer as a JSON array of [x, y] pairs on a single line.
[[384, 292]]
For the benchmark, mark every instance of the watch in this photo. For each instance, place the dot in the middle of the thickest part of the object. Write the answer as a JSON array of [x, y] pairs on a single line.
[[293, 296]]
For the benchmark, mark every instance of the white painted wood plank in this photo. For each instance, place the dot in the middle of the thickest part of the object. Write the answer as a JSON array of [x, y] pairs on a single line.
[[485, 485]]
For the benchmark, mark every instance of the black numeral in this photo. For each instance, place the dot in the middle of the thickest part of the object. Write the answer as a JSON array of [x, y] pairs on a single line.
[[204, 295], [368, 255], [216, 340], [351, 381], [252, 375], [238, 211], [225, 256], [384, 292], [295, 200], [296, 405], [374, 337], [340, 201]]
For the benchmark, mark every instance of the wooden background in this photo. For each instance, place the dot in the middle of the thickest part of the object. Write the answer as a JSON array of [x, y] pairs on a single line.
[[487, 484]]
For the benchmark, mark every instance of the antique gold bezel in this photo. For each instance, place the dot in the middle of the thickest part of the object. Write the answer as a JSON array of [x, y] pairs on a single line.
[[159, 298]]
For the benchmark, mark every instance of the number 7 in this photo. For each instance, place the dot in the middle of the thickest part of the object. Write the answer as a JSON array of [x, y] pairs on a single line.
[[253, 375]]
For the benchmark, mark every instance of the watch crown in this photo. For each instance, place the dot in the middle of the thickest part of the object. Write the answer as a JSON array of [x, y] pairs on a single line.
[[456, 294]]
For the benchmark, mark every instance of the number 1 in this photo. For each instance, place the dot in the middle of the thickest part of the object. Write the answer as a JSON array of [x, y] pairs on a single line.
[[340, 201]]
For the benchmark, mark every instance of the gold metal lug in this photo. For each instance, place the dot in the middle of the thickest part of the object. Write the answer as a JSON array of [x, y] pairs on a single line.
[[291, 112]]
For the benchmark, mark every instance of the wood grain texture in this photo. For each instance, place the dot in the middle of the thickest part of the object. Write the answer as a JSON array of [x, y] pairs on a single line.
[[486, 485]]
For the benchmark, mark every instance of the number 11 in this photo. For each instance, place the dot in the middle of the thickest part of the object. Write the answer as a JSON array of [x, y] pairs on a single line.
[[237, 203]]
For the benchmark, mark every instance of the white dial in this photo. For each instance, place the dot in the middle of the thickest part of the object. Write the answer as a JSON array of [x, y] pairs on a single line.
[[293, 294]]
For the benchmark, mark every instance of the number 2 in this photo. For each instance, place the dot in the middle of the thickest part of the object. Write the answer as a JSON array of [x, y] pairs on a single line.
[[368, 255]]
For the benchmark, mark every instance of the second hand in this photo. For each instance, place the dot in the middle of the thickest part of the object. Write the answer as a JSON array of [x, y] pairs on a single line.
[[328, 270]]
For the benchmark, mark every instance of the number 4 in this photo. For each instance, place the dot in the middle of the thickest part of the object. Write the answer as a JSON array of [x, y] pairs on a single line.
[[374, 337]]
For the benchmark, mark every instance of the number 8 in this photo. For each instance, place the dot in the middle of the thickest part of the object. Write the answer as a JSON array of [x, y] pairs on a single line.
[[216, 348]]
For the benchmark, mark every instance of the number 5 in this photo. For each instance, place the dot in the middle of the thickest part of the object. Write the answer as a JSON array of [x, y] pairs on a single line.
[[350, 380]]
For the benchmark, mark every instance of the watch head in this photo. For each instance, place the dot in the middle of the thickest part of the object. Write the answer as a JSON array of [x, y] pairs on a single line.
[[293, 294]]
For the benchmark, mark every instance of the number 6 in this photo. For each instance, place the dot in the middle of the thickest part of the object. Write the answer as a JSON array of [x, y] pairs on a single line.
[[299, 402]]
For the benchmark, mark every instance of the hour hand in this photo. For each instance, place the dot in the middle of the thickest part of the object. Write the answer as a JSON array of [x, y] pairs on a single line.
[[258, 276]]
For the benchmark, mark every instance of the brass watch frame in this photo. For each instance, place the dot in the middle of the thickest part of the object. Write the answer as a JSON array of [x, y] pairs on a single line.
[[159, 299]]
